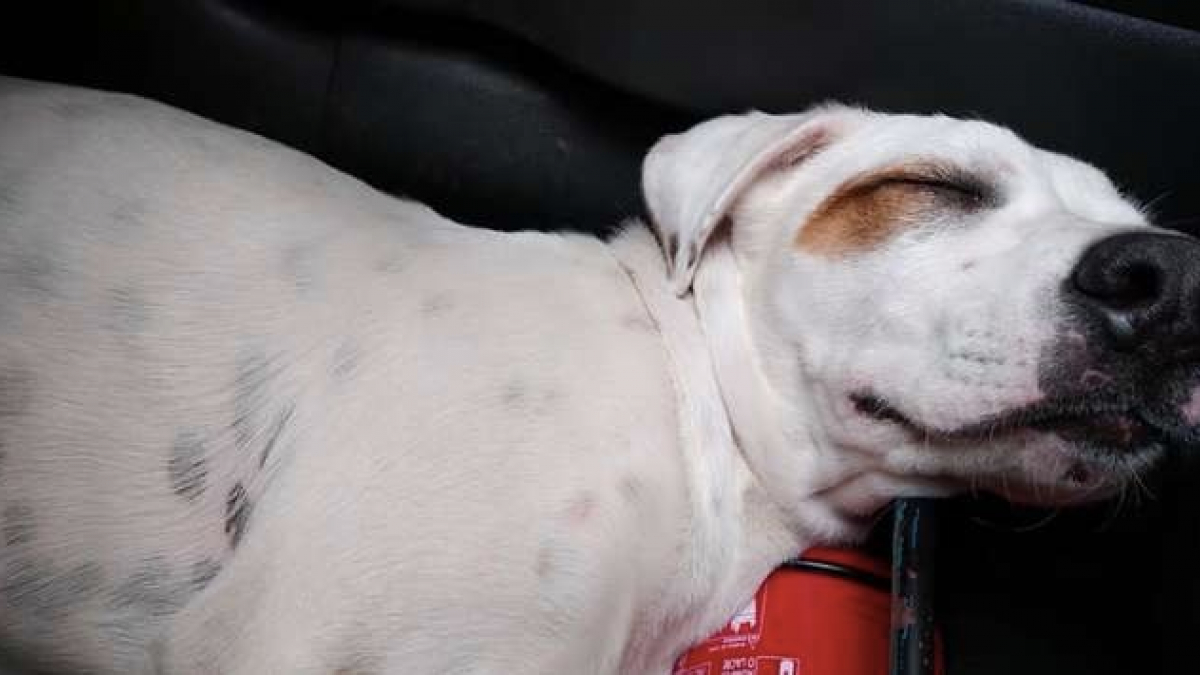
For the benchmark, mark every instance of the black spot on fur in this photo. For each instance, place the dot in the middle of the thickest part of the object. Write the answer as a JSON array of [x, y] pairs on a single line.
[[253, 372], [186, 465], [521, 397], [390, 264], [632, 489], [38, 587], [151, 590], [253, 423], [16, 396], [128, 314], [237, 514], [13, 182], [8, 197], [436, 304], [203, 573], [514, 394], [137, 608], [18, 525], [346, 359], [128, 215], [544, 565], [301, 266], [281, 421], [33, 273]]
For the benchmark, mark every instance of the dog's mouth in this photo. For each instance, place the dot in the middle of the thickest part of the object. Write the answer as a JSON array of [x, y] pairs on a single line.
[[1093, 423]]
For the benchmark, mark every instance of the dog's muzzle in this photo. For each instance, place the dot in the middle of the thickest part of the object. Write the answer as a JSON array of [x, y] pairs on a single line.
[[1135, 299]]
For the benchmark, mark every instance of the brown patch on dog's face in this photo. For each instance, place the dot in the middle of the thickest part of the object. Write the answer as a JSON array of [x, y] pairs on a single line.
[[870, 209]]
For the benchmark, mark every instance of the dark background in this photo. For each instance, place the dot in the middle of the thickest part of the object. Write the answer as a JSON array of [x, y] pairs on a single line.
[[534, 114]]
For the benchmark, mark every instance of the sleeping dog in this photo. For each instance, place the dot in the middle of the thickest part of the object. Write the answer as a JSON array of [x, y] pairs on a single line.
[[257, 417]]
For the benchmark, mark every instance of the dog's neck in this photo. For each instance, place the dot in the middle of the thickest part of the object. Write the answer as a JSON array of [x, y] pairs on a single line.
[[724, 493], [739, 445], [736, 534], [733, 437], [782, 447]]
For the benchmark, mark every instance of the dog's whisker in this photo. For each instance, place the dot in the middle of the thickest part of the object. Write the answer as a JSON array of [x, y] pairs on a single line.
[[1038, 524], [1006, 490], [1115, 511], [1148, 207], [882, 514], [1141, 487], [1131, 482]]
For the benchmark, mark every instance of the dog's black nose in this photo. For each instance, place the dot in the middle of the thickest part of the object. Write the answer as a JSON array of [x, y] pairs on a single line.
[[1142, 288]]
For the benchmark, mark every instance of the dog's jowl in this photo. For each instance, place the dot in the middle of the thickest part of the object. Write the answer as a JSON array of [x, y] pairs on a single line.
[[258, 417]]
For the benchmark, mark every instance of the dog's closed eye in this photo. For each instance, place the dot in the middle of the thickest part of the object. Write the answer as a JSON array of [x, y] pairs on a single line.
[[870, 209], [955, 187]]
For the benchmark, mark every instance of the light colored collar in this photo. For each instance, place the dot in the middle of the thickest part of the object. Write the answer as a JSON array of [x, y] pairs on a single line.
[[729, 422], [716, 471]]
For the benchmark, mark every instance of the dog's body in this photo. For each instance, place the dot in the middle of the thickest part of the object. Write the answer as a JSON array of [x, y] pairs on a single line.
[[472, 437], [256, 417]]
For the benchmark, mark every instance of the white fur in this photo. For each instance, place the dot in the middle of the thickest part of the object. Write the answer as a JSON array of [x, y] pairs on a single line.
[[489, 453]]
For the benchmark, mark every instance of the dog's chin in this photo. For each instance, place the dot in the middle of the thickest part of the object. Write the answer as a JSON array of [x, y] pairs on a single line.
[[1067, 452], [1054, 472]]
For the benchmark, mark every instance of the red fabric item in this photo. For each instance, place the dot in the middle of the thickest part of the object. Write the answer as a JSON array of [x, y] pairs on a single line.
[[803, 622]]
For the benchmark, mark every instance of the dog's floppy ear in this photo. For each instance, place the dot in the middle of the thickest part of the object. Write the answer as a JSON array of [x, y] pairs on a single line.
[[691, 180]]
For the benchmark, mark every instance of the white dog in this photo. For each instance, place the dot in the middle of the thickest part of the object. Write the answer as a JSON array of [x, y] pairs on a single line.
[[257, 417]]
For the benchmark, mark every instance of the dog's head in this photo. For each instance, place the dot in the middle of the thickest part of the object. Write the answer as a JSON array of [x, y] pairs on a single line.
[[929, 302]]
